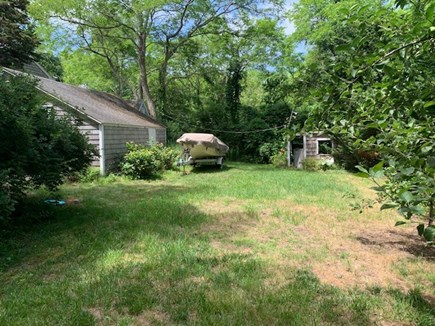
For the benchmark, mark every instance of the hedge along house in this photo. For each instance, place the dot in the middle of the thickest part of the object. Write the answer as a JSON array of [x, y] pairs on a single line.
[[311, 145], [108, 121]]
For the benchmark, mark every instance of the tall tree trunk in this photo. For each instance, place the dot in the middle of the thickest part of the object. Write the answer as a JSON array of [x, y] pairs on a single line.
[[163, 74], [143, 82], [162, 85]]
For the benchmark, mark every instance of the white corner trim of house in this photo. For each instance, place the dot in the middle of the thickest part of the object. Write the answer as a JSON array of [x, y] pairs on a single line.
[[102, 150]]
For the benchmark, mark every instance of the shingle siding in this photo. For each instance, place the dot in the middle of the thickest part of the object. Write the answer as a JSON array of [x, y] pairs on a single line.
[[89, 129], [161, 135], [311, 146], [115, 138]]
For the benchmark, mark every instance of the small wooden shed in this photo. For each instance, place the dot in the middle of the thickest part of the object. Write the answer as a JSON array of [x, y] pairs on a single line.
[[109, 122], [315, 145]]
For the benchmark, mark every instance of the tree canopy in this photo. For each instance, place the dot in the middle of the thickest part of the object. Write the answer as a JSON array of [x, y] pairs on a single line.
[[141, 37], [37, 147], [373, 66], [17, 39]]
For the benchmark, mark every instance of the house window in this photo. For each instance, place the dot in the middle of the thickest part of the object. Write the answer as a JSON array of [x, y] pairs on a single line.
[[324, 146]]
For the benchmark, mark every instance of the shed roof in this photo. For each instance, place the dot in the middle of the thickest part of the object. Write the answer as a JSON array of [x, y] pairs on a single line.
[[102, 107]]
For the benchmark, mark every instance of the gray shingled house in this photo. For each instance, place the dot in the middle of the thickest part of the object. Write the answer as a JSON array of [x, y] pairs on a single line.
[[108, 121]]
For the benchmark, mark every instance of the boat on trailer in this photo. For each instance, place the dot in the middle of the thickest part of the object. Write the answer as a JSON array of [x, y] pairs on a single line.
[[202, 149]]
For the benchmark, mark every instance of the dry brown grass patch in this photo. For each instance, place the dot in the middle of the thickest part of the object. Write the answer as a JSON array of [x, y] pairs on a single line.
[[357, 251], [114, 317]]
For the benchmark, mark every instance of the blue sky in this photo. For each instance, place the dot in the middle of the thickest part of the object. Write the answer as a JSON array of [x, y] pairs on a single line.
[[287, 24], [290, 27]]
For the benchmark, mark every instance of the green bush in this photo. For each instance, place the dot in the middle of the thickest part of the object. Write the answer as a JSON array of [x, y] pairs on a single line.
[[142, 162], [279, 159], [268, 150], [328, 165], [90, 175], [310, 164], [167, 155], [7, 203], [37, 148]]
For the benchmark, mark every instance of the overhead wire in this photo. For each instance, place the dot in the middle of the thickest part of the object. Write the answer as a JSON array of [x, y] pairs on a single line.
[[229, 131]]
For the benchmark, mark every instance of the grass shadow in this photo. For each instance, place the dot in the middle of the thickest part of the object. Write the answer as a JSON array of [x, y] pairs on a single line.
[[412, 244], [424, 308], [106, 218], [211, 169]]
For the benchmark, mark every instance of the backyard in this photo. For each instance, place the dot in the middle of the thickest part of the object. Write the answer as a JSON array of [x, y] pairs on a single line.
[[245, 245]]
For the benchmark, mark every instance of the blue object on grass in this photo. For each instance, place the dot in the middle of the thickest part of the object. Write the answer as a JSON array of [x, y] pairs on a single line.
[[55, 202]]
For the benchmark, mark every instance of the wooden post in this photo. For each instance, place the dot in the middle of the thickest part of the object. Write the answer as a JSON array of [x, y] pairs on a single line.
[[289, 150], [289, 143]]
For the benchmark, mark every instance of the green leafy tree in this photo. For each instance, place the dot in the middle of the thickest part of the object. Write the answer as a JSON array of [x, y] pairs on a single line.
[[373, 63], [37, 148], [52, 65], [17, 39], [145, 34]]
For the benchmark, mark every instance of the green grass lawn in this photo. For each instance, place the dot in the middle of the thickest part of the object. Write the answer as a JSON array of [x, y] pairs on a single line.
[[246, 245]]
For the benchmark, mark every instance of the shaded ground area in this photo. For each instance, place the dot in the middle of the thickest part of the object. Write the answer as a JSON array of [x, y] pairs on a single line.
[[403, 240]]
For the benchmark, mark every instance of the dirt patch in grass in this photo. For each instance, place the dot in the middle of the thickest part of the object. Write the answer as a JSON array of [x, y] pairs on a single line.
[[147, 317], [404, 240], [151, 317], [97, 313], [366, 256], [360, 250]]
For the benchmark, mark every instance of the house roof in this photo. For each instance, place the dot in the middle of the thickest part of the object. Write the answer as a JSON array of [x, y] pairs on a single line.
[[99, 106]]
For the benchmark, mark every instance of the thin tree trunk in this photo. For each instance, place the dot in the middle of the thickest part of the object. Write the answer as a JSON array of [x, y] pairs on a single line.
[[431, 212], [162, 81], [144, 90], [163, 74]]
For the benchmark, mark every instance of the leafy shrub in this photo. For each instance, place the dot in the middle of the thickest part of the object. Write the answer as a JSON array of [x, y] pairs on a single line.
[[279, 159], [310, 164], [37, 148], [7, 203], [167, 155], [349, 157], [267, 150], [90, 175], [328, 165], [142, 162]]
